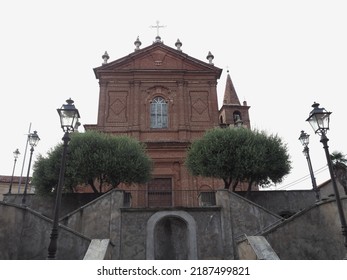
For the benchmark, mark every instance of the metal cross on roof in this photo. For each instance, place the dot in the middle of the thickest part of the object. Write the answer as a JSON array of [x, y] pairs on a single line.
[[157, 27]]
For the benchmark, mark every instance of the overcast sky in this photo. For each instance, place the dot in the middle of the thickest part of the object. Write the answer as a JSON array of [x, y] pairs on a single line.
[[282, 56]]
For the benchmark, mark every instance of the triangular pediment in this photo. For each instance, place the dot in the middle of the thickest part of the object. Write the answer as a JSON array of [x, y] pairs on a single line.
[[158, 57]]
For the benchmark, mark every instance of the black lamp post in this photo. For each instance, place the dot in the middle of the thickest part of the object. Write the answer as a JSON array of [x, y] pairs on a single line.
[[16, 154], [319, 120], [69, 116], [33, 140], [305, 139]]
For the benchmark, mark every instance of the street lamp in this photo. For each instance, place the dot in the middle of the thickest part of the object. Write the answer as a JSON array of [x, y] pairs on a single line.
[[33, 140], [319, 119], [69, 116], [305, 139], [16, 154]]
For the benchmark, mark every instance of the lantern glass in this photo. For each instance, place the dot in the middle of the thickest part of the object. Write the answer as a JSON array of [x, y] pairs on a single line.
[[319, 119], [33, 139], [69, 116], [16, 154], [304, 138]]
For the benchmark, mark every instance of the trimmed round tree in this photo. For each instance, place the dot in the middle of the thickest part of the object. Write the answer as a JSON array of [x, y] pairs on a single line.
[[94, 159], [239, 155]]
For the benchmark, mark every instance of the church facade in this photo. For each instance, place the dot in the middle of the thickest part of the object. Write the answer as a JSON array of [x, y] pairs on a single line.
[[165, 99]]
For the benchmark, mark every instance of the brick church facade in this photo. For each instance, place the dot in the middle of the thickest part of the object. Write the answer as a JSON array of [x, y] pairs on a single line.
[[165, 99]]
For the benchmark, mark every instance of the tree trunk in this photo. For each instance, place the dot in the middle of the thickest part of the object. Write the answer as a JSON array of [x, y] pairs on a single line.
[[235, 185], [91, 183], [100, 186], [115, 184], [227, 183], [250, 183]]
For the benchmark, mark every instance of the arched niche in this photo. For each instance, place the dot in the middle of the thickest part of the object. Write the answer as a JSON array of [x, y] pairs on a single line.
[[175, 219]]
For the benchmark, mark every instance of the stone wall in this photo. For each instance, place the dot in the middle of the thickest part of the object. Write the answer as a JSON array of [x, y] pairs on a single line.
[[126, 227], [99, 219], [278, 202], [208, 231], [25, 235], [327, 191], [246, 217], [200, 233], [283, 203], [215, 227], [314, 233], [45, 204], [286, 203]]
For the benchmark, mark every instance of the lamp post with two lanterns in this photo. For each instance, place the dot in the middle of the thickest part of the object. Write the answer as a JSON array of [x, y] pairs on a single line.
[[33, 140], [69, 117], [305, 139], [16, 154], [319, 119]]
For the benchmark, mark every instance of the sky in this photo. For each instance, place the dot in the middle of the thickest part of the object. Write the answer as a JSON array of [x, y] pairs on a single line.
[[282, 56]]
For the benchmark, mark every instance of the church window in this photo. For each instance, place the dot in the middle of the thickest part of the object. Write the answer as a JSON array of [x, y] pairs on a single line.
[[159, 115], [160, 192]]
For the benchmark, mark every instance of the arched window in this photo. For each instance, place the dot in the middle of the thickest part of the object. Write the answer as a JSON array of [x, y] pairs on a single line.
[[159, 113]]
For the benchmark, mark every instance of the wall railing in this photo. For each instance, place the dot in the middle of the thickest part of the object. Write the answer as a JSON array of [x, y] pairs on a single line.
[[167, 198]]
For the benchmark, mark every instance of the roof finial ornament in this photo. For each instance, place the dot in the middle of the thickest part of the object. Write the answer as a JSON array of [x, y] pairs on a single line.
[[178, 45], [157, 38], [137, 44], [210, 57], [105, 57]]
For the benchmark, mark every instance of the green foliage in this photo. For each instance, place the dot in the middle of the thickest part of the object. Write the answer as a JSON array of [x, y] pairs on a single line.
[[46, 171], [338, 159], [237, 155], [94, 159]]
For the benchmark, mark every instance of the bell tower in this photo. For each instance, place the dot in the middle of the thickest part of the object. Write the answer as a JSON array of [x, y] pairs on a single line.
[[232, 113]]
